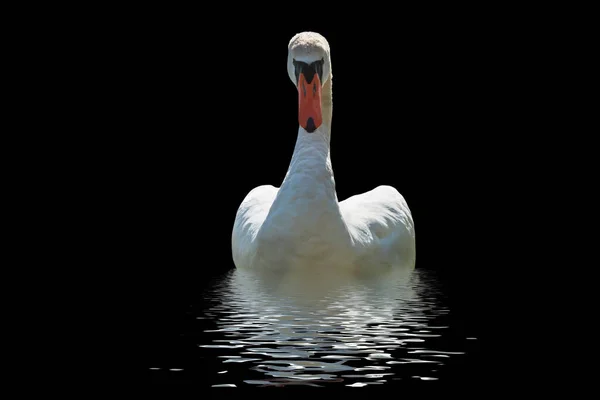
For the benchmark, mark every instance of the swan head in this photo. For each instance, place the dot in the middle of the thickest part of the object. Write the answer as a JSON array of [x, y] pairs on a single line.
[[309, 67]]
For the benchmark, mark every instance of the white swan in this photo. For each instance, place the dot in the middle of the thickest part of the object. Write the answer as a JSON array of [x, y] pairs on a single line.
[[302, 224]]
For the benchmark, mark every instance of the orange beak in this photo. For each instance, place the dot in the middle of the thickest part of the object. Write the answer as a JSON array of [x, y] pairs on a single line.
[[309, 103]]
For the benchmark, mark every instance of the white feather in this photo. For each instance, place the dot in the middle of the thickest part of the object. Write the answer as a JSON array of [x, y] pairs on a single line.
[[302, 224]]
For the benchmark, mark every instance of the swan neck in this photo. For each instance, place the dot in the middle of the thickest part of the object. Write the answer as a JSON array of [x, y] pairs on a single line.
[[310, 168]]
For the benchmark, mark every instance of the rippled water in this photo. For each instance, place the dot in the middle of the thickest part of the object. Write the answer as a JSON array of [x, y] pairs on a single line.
[[265, 330]]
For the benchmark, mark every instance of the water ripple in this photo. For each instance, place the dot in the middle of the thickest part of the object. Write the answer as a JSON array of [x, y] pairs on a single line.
[[279, 330]]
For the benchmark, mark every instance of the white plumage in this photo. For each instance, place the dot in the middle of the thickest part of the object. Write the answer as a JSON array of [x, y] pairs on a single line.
[[302, 224]]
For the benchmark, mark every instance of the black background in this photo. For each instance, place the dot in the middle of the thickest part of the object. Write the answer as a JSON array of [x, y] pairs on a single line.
[[193, 110]]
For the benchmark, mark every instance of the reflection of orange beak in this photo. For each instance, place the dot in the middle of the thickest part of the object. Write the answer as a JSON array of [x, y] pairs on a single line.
[[309, 103]]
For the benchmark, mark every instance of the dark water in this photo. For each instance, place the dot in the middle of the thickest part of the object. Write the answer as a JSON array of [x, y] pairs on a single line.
[[278, 330]]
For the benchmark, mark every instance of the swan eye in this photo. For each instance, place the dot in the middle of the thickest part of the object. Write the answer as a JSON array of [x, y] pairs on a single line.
[[298, 66]]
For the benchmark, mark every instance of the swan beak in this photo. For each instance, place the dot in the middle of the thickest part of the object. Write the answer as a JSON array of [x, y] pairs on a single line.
[[309, 103]]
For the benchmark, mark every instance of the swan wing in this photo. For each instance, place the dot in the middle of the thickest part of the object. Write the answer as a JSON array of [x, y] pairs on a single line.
[[249, 218], [380, 220]]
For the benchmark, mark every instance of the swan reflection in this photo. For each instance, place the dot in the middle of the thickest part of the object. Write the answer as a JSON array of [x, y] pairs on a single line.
[[313, 328]]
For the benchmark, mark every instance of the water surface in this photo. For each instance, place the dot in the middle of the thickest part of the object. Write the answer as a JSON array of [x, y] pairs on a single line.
[[252, 329]]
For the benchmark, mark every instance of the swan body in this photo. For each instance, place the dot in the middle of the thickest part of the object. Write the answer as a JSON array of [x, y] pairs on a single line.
[[302, 224]]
